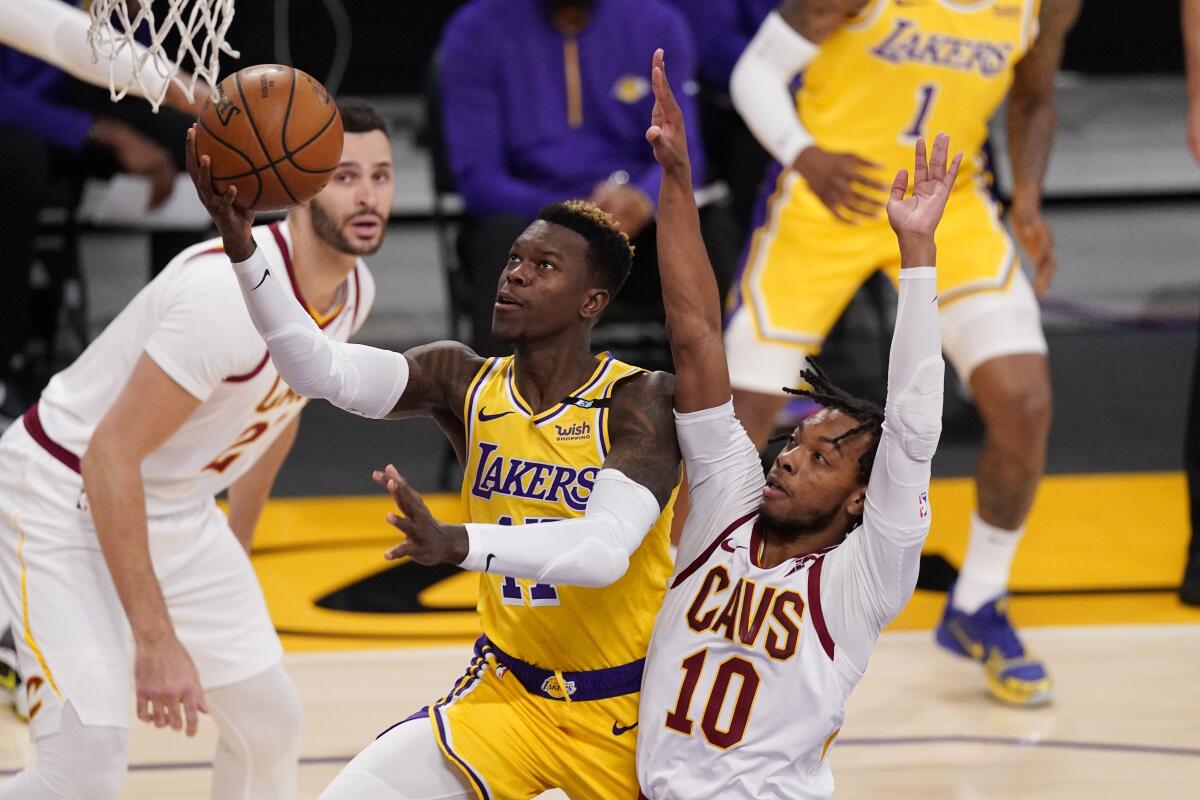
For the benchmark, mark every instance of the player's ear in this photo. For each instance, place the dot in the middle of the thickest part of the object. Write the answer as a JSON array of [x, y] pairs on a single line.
[[857, 502], [594, 303]]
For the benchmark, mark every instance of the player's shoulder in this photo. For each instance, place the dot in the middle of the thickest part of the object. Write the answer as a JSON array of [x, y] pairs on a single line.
[[644, 388]]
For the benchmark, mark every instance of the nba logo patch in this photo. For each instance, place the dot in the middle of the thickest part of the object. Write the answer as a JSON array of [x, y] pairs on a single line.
[[923, 504]]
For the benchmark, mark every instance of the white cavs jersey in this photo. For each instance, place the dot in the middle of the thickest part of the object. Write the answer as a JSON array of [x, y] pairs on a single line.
[[749, 668], [191, 320]]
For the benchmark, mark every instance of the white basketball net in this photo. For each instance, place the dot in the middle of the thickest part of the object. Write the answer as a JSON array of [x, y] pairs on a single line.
[[148, 69]]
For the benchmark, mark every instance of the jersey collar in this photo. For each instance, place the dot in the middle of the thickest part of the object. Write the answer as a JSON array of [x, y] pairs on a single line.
[[604, 361]]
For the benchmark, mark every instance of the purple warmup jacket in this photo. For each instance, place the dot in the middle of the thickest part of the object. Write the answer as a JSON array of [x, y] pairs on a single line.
[[29, 90], [532, 116]]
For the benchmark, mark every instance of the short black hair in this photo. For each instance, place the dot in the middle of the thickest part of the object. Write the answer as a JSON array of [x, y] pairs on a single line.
[[868, 415], [358, 117], [610, 255]]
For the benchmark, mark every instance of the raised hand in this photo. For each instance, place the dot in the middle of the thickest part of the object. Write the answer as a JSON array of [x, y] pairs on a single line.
[[428, 541], [666, 133], [233, 223], [917, 216]]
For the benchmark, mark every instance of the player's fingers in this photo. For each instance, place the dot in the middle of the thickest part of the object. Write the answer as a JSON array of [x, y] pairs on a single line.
[[191, 713], [379, 478], [899, 185], [838, 214], [920, 165], [937, 158], [143, 708], [161, 716], [402, 550], [173, 716], [863, 200], [870, 183], [952, 173], [860, 162]]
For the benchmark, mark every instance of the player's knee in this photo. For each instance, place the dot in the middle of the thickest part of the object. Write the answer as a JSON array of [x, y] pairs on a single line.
[[279, 737], [90, 765]]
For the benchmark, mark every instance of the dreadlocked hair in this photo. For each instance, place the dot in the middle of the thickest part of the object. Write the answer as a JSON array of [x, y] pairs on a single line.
[[869, 416]]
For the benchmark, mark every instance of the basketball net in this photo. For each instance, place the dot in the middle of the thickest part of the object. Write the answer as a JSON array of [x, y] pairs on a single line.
[[147, 66]]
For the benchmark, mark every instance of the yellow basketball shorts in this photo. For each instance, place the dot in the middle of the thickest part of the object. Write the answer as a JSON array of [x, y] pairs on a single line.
[[512, 744], [803, 267]]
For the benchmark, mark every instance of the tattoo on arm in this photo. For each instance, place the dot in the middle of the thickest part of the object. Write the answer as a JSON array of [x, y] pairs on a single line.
[[438, 376], [815, 20], [642, 430]]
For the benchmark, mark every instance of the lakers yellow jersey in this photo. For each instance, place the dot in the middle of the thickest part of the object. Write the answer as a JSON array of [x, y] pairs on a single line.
[[524, 468], [909, 68]]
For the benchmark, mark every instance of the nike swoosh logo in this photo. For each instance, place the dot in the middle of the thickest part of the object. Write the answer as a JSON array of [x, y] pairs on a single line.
[[262, 280], [728, 546], [618, 730], [488, 564], [486, 417]]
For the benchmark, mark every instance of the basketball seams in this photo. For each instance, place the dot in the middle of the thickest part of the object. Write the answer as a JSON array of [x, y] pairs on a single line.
[[288, 155], [253, 170], [233, 146], [237, 80]]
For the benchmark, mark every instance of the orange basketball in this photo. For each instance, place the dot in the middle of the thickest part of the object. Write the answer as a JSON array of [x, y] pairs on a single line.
[[272, 131]]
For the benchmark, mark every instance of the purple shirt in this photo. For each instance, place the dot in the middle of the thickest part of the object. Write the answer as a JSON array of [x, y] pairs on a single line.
[[523, 128], [29, 100]]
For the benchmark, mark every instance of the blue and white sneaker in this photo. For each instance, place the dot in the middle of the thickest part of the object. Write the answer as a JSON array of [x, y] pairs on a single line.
[[987, 636]]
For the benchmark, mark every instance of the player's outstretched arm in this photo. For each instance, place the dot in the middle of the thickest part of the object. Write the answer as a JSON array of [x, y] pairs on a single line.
[[689, 287], [872, 575], [368, 381], [593, 550]]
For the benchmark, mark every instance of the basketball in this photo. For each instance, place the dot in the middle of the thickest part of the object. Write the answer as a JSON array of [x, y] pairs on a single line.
[[272, 131]]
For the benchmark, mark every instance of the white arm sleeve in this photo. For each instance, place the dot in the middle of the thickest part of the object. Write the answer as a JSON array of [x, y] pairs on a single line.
[[592, 550], [761, 87], [724, 475], [871, 576], [363, 380]]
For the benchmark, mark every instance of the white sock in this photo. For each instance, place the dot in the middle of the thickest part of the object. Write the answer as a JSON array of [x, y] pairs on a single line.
[[984, 573]]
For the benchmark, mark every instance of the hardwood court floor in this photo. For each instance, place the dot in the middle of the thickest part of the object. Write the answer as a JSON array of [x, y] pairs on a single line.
[[1123, 724]]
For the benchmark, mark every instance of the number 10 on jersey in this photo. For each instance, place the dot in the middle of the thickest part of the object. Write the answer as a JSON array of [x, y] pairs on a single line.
[[721, 728]]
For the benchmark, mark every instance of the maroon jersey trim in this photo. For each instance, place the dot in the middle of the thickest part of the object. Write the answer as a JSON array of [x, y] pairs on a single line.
[[248, 375], [33, 424], [814, 606], [707, 554]]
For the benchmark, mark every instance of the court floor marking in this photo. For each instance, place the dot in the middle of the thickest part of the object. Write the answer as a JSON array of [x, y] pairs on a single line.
[[877, 741]]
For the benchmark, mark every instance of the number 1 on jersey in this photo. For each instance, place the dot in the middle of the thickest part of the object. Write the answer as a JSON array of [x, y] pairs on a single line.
[[926, 93]]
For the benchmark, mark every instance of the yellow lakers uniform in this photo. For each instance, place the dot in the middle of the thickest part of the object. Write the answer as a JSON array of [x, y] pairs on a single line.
[[901, 70], [551, 697]]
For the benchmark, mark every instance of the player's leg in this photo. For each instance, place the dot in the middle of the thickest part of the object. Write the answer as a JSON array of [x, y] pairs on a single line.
[[602, 741], [991, 331], [259, 720], [1189, 591], [75, 761], [71, 635], [220, 616], [801, 269], [405, 763]]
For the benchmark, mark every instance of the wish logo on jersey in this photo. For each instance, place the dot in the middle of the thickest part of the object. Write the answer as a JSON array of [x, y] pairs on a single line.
[[531, 480], [907, 43]]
